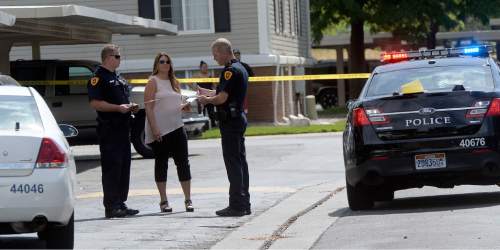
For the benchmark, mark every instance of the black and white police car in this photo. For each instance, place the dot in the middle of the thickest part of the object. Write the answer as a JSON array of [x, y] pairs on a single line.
[[428, 118]]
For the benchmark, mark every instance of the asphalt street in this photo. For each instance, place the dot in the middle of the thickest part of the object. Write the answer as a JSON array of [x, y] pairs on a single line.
[[279, 167], [298, 202]]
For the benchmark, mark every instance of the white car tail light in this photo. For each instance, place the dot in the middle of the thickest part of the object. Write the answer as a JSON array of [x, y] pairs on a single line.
[[51, 155]]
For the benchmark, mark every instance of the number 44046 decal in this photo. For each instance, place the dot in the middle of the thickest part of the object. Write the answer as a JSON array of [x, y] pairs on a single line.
[[26, 188], [473, 142]]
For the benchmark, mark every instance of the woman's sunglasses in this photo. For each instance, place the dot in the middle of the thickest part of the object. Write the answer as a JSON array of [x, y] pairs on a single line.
[[164, 62]]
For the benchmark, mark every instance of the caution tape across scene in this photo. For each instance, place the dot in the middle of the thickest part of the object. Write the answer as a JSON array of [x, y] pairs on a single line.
[[254, 79]]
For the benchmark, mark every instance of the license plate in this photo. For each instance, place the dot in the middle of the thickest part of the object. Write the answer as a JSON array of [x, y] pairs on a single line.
[[430, 161]]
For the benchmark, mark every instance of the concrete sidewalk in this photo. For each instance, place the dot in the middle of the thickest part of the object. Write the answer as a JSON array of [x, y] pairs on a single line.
[[295, 223]]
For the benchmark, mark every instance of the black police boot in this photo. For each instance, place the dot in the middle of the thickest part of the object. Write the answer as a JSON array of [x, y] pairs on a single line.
[[129, 211], [115, 213], [248, 211], [230, 212]]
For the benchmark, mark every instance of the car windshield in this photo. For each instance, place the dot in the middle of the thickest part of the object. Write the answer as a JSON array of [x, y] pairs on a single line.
[[21, 110], [435, 79], [7, 80]]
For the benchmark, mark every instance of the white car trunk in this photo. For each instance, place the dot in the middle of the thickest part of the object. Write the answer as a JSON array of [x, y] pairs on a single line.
[[18, 154]]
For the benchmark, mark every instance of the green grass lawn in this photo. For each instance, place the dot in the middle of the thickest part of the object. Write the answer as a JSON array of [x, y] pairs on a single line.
[[335, 111], [281, 130]]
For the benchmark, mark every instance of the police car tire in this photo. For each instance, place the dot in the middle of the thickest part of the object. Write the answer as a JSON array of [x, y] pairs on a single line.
[[59, 237], [384, 195], [137, 135], [358, 198]]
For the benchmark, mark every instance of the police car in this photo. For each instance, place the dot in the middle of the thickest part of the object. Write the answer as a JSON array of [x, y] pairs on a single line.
[[37, 169], [427, 118]]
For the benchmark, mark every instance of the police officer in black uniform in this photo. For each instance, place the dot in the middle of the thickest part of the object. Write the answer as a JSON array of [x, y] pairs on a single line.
[[228, 99], [109, 96]]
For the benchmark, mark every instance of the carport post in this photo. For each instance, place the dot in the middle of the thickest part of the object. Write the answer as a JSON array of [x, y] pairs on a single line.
[[4, 57], [340, 82], [35, 50]]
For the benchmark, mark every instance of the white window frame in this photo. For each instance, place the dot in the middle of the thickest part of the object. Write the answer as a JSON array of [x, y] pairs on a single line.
[[190, 32]]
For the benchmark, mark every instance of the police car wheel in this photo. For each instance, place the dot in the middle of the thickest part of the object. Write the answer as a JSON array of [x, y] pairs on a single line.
[[138, 136], [327, 98], [59, 237], [358, 197], [384, 195]]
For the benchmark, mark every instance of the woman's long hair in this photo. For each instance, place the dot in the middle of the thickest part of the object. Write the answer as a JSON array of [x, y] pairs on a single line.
[[171, 75]]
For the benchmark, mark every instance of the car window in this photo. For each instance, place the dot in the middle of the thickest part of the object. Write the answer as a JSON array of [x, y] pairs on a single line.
[[7, 80], [435, 79], [72, 73], [19, 109]]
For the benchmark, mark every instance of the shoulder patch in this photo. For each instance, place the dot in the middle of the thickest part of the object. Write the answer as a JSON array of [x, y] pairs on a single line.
[[228, 74], [94, 80]]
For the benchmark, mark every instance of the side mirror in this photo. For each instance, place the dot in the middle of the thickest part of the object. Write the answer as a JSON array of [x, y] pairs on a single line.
[[68, 130]]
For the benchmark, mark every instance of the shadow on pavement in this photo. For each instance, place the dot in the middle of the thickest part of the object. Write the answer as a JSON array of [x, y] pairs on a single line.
[[427, 204], [18, 242], [84, 165], [131, 217]]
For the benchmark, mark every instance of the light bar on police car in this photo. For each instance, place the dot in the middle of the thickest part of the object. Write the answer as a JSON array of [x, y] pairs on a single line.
[[391, 57]]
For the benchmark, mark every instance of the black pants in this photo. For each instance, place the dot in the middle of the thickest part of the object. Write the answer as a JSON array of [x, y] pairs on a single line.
[[114, 144], [209, 110], [233, 149], [172, 144]]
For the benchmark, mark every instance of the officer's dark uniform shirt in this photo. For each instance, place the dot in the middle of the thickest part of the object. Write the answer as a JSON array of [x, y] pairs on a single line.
[[233, 81], [248, 68], [110, 87]]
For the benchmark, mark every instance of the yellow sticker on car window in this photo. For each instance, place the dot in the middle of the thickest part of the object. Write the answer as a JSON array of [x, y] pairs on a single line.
[[412, 87], [227, 75], [94, 80]]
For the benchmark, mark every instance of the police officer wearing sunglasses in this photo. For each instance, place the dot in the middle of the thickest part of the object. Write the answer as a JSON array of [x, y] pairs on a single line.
[[228, 99], [109, 96]]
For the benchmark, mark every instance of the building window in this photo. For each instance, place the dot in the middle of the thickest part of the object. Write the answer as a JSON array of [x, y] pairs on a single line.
[[190, 16], [287, 17], [279, 16], [296, 17]]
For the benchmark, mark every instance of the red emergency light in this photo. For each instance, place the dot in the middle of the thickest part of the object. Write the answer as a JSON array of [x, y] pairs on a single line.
[[391, 57]]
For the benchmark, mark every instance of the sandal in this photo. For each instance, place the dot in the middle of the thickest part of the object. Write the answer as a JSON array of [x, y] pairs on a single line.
[[164, 207], [189, 206]]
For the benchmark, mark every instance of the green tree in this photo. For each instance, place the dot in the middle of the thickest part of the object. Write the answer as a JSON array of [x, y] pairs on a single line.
[[419, 21], [416, 21], [355, 13]]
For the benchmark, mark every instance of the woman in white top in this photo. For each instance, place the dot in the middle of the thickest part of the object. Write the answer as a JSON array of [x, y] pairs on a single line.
[[164, 129]]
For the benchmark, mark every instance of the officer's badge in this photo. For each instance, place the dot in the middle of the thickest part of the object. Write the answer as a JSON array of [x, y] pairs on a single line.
[[94, 80], [227, 75]]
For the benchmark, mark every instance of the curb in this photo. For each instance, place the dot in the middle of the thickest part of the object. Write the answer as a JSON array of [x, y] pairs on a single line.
[[306, 231], [268, 227]]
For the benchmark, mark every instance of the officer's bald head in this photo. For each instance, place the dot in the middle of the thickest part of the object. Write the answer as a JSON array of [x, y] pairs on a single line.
[[110, 56], [222, 45], [222, 51], [108, 50]]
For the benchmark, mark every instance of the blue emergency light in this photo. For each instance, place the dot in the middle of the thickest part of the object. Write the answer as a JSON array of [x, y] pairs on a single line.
[[471, 50]]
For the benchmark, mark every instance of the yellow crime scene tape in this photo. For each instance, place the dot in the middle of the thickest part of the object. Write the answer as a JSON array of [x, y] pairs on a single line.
[[254, 79]]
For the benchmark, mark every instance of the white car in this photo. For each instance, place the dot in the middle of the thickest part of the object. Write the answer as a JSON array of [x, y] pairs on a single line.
[[37, 169]]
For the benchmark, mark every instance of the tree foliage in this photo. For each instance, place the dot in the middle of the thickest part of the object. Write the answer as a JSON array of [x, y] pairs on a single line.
[[416, 21]]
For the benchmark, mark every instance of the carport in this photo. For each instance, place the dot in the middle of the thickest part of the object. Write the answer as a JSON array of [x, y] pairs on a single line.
[[37, 26]]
